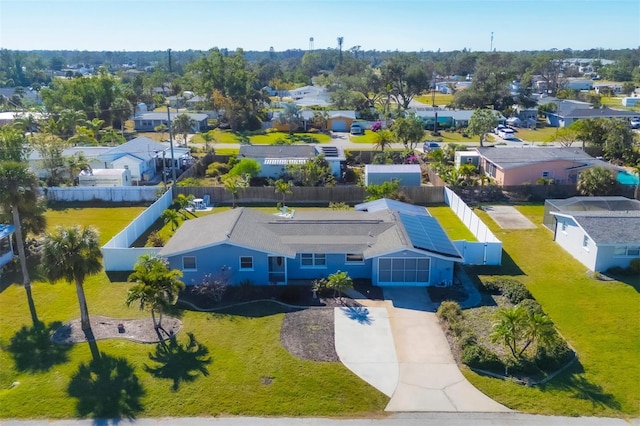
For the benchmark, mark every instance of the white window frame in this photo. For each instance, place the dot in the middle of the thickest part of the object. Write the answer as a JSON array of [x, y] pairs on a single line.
[[585, 242], [318, 260], [195, 263], [564, 227]]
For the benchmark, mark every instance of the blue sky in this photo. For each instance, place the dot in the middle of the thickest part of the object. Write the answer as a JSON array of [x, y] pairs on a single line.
[[406, 25]]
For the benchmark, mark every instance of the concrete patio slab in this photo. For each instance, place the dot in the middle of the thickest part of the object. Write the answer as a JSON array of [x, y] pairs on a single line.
[[508, 217]]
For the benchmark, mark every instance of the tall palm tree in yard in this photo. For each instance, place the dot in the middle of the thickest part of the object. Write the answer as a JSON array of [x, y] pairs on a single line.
[[156, 286], [183, 124], [518, 329], [72, 253], [26, 123], [207, 137], [171, 216], [18, 194]]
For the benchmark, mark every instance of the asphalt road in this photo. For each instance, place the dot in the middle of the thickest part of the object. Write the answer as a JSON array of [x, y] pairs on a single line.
[[401, 419]]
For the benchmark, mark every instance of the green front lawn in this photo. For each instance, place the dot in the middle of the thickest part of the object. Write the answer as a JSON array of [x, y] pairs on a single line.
[[599, 319], [250, 372]]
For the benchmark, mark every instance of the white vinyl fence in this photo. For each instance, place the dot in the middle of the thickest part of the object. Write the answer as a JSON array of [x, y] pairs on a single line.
[[117, 254], [115, 194], [488, 249]]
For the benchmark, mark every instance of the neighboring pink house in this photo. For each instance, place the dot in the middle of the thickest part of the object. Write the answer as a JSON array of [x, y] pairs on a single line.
[[518, 166]]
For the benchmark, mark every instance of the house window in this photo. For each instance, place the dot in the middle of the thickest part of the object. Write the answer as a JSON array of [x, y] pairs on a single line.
[[246, 263], [633, 251], [585, 241], [354, 258], [545, 174], [564, 227], [188, 263], [313, 260]]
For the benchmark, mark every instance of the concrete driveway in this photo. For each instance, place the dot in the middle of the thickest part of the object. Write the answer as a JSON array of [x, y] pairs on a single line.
[[397, 346], [429, 378]]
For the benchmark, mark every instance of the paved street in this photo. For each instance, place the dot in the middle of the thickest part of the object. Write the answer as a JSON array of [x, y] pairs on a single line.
[[400, 419]]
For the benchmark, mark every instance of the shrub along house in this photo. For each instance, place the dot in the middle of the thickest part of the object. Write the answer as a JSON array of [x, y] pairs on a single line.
[[390, 243]]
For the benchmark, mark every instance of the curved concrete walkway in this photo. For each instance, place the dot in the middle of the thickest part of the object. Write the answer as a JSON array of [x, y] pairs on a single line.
[[403, 352]]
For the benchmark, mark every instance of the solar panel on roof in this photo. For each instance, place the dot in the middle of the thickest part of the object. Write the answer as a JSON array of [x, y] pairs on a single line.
[[425, 233]]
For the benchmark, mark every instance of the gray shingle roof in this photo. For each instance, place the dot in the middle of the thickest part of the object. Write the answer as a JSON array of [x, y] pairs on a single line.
[[610, 227], [140, 147], [599, 113], [511, 158], [309, 231]]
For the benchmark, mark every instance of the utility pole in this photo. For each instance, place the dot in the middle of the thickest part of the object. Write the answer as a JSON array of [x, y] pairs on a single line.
[[173, 168], [491, 45]]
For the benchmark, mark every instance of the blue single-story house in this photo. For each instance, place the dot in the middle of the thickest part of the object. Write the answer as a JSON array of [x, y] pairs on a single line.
[[6, 244], [389, 242]]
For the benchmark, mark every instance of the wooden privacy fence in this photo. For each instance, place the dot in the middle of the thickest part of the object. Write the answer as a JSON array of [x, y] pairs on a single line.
[[308, 196]]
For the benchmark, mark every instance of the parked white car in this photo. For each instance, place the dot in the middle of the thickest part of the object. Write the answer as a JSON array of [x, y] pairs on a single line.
[[506, 133]]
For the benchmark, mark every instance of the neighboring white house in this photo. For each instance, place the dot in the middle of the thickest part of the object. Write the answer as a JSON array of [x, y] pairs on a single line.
[[90, 153], [600, 232], [105, 177], [138, 155]]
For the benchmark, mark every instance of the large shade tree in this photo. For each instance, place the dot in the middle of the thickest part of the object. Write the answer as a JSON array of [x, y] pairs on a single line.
[[72, 253], [156, 287], [481, 123]]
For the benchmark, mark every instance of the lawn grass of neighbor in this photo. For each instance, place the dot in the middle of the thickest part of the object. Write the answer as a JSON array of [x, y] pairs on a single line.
[[440, 99], [250, 373], [368, 137], [452, 225], [273, 138], [599, 319], [538, 136]]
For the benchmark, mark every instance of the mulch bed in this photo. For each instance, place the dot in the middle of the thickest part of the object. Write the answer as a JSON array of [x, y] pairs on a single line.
[[137, 330], [309, 334]]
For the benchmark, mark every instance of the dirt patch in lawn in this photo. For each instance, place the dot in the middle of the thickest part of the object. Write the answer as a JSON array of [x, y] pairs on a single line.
[[137, 330], [309, 334]]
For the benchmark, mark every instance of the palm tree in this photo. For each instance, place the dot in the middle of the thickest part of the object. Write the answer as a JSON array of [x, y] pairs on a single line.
[[95, 126], [290, 117], [183, 124], [517, 329], [73, 253], [384, 138], [340, 42], [596, 181], [76, 163], [26, 123], [233, 184], [13, 144], [68, 121], [283, 187], [171, 216], [207, 137], [19, 194], [156, 286], [339, 282]]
